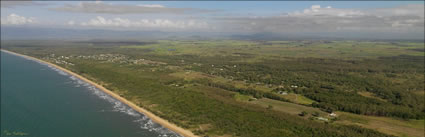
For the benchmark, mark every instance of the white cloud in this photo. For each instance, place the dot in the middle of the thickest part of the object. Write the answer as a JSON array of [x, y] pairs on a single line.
[[315, 7], [152, 6], [71, 23], [160, 24], [13, 4], [406, 10], [317, 10], [105, 8], [14, 19], [317, 18]]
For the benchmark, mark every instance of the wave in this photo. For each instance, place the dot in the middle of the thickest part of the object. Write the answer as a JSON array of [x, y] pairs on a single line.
[[145, 122]]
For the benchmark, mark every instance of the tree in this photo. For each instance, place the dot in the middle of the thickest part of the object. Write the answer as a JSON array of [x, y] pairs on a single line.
[[316, 114], [269, 107], [304, 113], [329, 110]]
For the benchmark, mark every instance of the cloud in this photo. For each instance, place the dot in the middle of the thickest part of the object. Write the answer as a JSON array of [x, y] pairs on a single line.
[[100, 7], [71, 23], [14, 19], [12, 4], [406, 10], [316, 10], [152, 6], [407, 18], [157, 24]]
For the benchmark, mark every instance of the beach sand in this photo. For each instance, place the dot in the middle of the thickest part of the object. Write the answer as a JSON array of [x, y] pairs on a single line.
[[153, 117]]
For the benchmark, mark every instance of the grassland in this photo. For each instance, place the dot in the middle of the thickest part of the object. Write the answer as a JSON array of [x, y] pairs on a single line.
[[258, 88], [267, 49], [397, 127]]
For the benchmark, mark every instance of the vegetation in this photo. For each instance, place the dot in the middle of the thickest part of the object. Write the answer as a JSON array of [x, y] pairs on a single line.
[[256, 88], [335, 83], [303, 113]]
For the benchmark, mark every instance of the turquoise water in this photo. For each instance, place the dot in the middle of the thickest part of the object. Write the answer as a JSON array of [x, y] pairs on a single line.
[[40, 101]]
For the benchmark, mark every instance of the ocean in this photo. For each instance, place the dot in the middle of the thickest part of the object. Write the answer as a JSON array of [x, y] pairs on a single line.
[[38, 100]]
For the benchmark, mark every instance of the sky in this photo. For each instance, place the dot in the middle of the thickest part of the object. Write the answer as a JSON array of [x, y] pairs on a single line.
[[245, 17]]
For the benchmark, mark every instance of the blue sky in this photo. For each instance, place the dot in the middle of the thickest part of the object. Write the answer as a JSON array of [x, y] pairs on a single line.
[[239, 16]]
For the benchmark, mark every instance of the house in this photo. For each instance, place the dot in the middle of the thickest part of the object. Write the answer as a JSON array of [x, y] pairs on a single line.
[[293, 86], [332, 114]]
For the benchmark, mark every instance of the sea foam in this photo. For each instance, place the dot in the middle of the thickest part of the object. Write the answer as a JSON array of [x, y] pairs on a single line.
[[144, 121]]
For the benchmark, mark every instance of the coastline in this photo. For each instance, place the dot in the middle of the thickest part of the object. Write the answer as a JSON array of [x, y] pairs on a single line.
[[153, 117]]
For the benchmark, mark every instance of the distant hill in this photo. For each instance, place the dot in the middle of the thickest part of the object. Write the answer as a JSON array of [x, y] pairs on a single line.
[[19, 33]]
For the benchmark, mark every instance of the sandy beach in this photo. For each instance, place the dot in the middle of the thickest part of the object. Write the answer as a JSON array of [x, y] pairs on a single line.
[[156, 119]]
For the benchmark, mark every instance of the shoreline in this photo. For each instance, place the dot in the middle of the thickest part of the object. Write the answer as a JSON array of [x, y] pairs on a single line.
[[153, 117]]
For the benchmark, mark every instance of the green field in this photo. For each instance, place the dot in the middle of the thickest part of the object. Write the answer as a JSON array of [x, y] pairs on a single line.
[[267, 49]]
